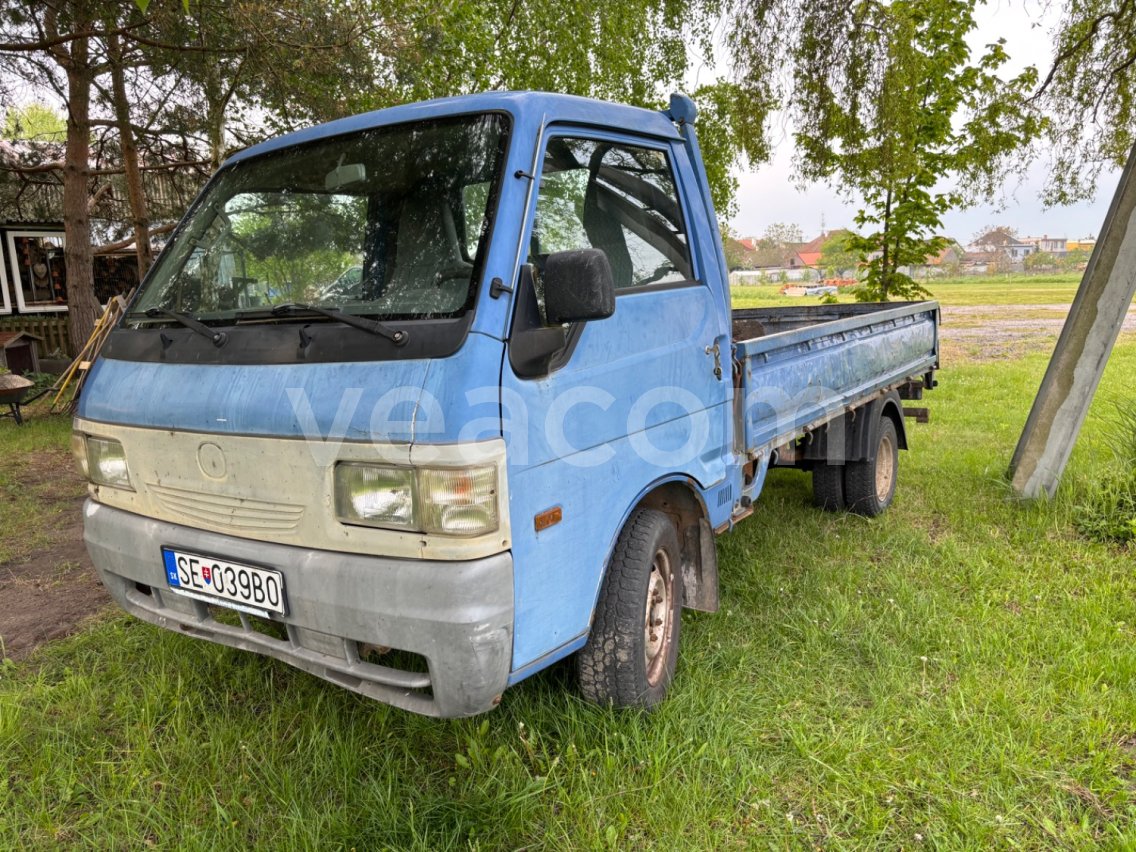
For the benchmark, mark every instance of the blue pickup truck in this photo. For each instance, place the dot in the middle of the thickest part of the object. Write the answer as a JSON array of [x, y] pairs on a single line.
[[425, 400]]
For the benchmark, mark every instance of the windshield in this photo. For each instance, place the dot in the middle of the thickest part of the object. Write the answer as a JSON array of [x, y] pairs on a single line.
[[389, 222]]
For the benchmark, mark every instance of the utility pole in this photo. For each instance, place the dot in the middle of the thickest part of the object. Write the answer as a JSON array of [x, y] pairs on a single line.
[[1086, 341]]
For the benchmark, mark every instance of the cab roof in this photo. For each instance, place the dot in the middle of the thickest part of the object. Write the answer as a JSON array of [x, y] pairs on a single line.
[[526, 108]]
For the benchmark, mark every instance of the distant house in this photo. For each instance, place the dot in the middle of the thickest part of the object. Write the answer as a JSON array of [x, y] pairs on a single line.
[[1051, 245], [978, 262], [1002, 241], [33, 276], [748, 244], [807, 255], [952, 255], [1083, 244]]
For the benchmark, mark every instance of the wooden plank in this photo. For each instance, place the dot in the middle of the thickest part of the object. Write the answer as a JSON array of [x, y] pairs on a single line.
[[1086, 341]]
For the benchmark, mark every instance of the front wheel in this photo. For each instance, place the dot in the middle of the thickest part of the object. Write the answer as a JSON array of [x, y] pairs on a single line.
[[629, 659]]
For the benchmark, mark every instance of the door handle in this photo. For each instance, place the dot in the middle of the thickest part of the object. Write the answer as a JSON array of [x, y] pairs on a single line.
[[716, 351]]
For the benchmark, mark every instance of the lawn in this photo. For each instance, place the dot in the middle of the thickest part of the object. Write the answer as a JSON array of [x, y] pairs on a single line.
[[958, 292], [24, 523], [960, 672]]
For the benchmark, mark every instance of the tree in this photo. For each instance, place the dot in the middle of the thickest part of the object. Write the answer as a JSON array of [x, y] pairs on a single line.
[[34, 122], [53, 43], [1087, 95], [889, 103], [837, 255], [736, 254], [1075, 260], [781, 235], [171, 87], [1039, 261]]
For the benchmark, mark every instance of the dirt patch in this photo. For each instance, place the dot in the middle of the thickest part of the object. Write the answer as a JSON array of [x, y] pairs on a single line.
[[48, 593], [1002, 332]]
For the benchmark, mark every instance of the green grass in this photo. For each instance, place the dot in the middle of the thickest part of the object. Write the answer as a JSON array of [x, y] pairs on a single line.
[[958, 292], [25, 518], [960, 672]]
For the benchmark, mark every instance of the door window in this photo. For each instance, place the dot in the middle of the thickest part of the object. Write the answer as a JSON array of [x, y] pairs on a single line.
[[615, 197]]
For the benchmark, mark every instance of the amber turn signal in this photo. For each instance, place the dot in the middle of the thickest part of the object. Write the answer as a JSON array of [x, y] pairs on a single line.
[[547, 518]]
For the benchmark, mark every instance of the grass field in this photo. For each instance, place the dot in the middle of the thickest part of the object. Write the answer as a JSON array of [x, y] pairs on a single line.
[[960, 672], [960, 292], [23, 523]]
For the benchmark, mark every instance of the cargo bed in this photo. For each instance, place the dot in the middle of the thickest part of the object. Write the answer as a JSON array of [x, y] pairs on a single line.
[[802, 366]]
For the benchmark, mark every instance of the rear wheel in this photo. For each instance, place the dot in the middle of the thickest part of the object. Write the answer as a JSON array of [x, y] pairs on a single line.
[[869, 485], [828, 486], [629, 659]]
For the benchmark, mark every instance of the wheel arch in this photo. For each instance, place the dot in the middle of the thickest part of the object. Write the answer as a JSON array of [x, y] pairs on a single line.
[[680, 498], [865, 428], [893, 410]]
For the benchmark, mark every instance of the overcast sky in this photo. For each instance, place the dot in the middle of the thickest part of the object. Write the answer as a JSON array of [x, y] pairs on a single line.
[[770, 194]]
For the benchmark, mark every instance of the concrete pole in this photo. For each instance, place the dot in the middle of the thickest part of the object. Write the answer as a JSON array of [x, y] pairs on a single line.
[[1082, 351]]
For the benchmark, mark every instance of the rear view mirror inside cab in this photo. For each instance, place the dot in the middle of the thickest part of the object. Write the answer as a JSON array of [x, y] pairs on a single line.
[[343, 174]]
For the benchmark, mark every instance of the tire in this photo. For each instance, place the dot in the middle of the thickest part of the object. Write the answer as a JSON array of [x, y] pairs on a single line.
[[869, 485], [626, 661], [828, 486]]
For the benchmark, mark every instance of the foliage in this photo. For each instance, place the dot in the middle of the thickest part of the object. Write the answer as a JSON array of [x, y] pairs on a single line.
[[34, 121], [837, 254], [730, 133], [177, 86], [1089, 95], [736, 254], [1075, 259], [782, 235], [889, 103], [1107, 509], [1039, 260]]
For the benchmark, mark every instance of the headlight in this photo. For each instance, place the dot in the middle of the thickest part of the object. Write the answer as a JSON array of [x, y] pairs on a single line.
[[457, 502], [106, 463], [375, 496], [79, 452]]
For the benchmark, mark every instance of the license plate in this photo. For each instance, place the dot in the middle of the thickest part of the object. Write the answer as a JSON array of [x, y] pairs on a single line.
[[257, 591]]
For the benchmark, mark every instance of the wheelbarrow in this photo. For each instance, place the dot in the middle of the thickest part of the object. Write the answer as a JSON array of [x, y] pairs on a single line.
[[13, 389]]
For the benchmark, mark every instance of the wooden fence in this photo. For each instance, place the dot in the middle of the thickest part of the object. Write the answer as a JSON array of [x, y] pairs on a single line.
[[51, 327]]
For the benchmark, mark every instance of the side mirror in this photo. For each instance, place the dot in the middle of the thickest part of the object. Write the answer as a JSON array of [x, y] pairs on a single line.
[[578, 286]]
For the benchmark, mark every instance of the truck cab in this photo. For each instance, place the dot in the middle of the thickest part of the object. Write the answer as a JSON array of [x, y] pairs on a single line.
[[425, 400]]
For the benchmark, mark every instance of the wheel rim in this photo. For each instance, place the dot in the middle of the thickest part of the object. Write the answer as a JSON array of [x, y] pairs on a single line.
[[659, 622], [885, 468]]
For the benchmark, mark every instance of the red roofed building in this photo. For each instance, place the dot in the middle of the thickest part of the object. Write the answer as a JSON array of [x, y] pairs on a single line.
[[808, 254]]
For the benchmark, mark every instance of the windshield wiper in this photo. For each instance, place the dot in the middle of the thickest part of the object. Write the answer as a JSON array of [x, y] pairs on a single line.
[[219, 338], [398, 335]]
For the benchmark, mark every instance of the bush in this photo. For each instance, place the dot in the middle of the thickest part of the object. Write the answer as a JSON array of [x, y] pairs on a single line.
[[1107, 511], [42, 380]]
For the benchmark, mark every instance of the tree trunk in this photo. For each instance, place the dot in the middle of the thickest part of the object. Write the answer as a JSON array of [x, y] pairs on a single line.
[[83, 306], [139, 213], [886, 261]]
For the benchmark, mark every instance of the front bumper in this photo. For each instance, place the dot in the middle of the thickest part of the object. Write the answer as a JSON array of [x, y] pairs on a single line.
[[457, 615]]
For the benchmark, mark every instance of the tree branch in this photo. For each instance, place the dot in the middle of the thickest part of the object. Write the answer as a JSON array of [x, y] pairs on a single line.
[[1067, 53], [52, 42], [110, 248]]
